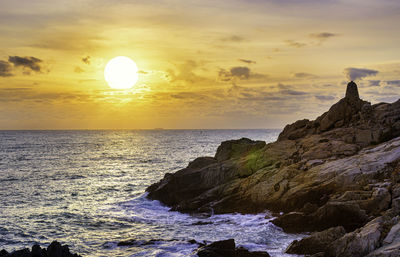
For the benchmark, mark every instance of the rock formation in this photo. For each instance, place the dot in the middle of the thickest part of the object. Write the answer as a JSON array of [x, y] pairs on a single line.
[[55, 249], [340, 170]]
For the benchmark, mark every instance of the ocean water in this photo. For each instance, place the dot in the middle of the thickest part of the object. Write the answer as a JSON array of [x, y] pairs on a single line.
[[87, 189]]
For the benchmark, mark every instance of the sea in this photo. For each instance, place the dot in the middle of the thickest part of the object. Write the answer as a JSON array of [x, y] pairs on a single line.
[[87, 189]]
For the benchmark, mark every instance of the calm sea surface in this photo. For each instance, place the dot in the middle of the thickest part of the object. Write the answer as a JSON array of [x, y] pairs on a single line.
[[86, 189]]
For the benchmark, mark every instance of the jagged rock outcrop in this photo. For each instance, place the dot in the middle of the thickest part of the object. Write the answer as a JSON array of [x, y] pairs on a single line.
[[342, 169]]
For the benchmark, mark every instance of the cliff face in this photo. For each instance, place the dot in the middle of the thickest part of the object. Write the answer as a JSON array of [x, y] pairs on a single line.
[[341, 169]]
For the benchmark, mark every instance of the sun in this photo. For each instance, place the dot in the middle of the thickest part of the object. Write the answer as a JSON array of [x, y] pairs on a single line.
[[121, 72]]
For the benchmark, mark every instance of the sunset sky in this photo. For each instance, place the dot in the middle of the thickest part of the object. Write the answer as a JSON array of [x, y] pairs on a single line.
[[202, 64]]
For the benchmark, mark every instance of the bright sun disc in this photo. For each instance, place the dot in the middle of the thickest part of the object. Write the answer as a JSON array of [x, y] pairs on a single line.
[[121, 73]]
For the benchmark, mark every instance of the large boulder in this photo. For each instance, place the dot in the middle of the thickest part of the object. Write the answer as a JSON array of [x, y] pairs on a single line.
[[227, 248]]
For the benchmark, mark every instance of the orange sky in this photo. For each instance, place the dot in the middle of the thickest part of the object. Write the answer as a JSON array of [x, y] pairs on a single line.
[[203, 64]]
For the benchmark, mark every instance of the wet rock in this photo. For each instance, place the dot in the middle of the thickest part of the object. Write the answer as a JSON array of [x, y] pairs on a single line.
[[316, 243], [227, 248], [331, 214], [140, 242]]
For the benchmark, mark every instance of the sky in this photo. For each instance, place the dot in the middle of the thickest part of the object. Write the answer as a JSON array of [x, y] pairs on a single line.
[[228, 64]]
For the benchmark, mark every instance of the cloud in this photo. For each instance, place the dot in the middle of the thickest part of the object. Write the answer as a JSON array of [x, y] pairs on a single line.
[[356, 73], [393, 82], [374, 83], [324, 97], [239, 73], [28, 62], [233, 38], [322, 36], [185, 72], [5, 69], [288, 90], [78, 69], [247, 61], [303, 75], [86, 60], [296, 44]]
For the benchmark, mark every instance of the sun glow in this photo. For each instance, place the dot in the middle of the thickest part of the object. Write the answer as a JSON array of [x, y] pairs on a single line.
[[121, 72]]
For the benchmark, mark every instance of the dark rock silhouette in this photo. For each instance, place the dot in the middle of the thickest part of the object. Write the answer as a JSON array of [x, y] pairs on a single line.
[[55, 249], [342, 169], [227, 248]]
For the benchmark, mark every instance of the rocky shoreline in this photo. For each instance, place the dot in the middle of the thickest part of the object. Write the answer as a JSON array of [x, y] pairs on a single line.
[[337, 177]]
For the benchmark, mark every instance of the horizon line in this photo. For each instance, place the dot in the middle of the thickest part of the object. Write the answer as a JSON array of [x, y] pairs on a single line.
[[151, 129]]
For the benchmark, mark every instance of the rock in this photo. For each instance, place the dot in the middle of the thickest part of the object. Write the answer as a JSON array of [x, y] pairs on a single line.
[[360, 242], [294, 222], [227, 248], [55, 249], [352, 92], [317, 242], [236, 148], [342, 169], [37, 251], [141, 242], [331, 214]]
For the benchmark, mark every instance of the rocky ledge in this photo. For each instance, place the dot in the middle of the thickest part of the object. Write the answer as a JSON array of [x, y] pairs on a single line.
[[337, 176]]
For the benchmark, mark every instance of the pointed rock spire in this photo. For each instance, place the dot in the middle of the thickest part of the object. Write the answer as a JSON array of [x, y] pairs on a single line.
[[352, 92]]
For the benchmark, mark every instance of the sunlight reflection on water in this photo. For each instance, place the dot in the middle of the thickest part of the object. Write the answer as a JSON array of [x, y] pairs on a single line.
[[85, 188]]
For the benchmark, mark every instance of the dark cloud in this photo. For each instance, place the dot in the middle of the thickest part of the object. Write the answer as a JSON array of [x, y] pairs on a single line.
[[239, 73], [28, 62], [323, 35], [247, 61], [296, 44], [303, 75], [393, 82], [86, 59], [5, 69], [233, 38], [356, 73]]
